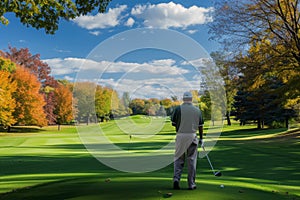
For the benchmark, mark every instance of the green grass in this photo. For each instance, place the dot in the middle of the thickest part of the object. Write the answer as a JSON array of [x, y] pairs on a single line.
[[51, 164]]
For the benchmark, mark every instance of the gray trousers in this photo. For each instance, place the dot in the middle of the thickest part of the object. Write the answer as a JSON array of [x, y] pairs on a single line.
[[191, 155]]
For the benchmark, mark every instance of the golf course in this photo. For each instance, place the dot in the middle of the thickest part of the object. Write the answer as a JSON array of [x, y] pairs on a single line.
[[50, 164]]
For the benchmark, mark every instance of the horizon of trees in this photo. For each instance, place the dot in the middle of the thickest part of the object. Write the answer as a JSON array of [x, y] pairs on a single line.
[[30, 96]]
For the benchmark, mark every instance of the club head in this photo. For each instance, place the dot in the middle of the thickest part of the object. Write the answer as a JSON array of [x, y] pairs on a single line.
[[218, 174]]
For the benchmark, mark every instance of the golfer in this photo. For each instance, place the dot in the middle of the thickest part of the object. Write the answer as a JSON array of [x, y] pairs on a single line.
[[188, 120]]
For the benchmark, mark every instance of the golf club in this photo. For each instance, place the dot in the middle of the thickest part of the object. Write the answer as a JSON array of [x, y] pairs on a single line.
[[218, 173]]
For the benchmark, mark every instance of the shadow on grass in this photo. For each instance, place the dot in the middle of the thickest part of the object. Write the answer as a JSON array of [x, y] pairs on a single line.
[[242, 163], [21, 129], [240, 133]]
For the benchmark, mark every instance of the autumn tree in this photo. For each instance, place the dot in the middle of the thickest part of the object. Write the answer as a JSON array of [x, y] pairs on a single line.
[[41, 70], [7, 103], [63, 109], [48, 13], [268, 33], [167, 104], [29, 102], [33, 63], [6, 64]]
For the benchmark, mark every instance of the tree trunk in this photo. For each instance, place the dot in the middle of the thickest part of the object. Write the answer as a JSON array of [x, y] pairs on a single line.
[[88, 120], [228, 118], [258, 124], [286, 122]]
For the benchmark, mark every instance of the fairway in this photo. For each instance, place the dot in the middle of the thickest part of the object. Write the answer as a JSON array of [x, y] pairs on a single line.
[[51, 164]]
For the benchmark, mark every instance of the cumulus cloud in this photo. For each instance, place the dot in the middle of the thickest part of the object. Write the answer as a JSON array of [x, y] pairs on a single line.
[[65, 66], [101, 20], [130, 21], [166, 15], [156, 78], [152, 87]]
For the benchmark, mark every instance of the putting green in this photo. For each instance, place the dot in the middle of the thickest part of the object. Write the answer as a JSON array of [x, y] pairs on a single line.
[[256, 164]]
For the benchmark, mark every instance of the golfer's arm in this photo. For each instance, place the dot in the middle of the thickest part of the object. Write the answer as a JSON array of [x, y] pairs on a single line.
[[200, 128]]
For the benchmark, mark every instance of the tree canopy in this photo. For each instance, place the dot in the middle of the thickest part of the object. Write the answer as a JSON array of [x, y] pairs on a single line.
[[262, 41], [29, 102], [7, 102], [48, 13]]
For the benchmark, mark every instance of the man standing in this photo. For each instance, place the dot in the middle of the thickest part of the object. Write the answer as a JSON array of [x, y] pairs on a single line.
[[187, 119]]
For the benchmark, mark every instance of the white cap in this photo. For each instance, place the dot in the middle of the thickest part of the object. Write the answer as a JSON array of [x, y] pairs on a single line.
[[187, 95]]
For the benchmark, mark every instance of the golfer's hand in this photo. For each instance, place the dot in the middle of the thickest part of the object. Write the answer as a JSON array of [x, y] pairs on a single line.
[[201, 143]]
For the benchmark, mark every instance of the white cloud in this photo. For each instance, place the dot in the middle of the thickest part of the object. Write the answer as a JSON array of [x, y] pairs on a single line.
[[192, 31], [96, 33], [157, 78], [69, 78], [152, 87], [66, 66], [129, 22], [101, 20], [165, 15]]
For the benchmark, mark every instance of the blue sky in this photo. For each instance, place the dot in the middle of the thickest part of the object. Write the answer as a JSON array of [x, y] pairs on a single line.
[[143, 71]]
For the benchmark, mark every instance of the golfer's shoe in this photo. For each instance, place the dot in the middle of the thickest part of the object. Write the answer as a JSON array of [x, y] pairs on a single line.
[[193, 188], [176, 185]]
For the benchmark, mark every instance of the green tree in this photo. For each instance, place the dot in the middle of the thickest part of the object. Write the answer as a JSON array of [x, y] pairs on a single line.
[[48, 13], [103, 102], [84, 93], [270, 32], [137, 106], [229, 74], [205, 105], [125, 101]]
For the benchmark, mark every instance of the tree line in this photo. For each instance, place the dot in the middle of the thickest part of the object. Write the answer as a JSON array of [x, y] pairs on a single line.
[[29, 95], [260, 59]]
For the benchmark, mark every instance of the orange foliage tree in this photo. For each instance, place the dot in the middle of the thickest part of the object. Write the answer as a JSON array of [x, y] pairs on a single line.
[[41, 70], [7, 103], [29, 102], [63, 110]]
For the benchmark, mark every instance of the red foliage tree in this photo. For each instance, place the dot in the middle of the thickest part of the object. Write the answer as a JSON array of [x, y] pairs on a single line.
[[41, 70]]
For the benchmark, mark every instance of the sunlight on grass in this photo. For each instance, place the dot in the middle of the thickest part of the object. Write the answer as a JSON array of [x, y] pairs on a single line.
[[51, 164]]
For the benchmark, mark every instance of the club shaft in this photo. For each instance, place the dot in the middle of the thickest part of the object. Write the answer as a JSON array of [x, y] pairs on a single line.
[[208, 160]]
